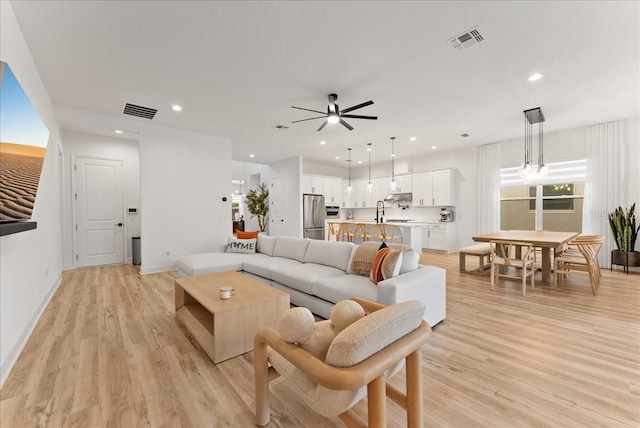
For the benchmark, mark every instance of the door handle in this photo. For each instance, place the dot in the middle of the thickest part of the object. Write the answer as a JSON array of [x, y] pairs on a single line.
[[118, 224]]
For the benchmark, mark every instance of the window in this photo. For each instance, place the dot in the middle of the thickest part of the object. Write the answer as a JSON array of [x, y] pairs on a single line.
[[553, 204], [555, 197]]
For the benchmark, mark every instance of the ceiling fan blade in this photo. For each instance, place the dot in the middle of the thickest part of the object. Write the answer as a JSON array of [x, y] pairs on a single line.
[[346, 125], [323, 125], [355, 116], [307, 109], [311, 118], [348, 109]]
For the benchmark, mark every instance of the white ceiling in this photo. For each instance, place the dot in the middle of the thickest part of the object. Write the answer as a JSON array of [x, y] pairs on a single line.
[[238, 67]]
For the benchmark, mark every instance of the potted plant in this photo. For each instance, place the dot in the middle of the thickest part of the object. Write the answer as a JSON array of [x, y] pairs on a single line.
[[625, 232], [258, 204]]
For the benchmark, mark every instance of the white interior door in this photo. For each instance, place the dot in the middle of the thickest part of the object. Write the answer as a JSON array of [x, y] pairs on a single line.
[[99, 212], [276, 208]]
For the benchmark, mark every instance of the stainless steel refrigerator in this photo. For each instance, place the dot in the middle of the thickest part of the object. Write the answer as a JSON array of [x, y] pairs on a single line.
[[313, 215]]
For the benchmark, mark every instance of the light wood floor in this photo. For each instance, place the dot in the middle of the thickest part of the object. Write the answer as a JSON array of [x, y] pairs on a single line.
[[108, 352]]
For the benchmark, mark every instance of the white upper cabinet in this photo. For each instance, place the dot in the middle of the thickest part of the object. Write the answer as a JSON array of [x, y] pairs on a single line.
[[349, 198], [332, 191], [437, 188], [365, 195], [444, 192], [423, 189], [312, 184], [404, 184]]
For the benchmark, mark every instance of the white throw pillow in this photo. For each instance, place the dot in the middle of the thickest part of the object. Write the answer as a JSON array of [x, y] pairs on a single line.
[[245, 246]]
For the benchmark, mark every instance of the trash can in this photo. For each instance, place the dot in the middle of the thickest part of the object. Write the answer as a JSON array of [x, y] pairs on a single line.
[[135, 249]]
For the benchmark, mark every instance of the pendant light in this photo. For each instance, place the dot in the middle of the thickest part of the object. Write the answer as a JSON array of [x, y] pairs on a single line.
[[393, 172], [527, 171], [349, 160], [369, 186]]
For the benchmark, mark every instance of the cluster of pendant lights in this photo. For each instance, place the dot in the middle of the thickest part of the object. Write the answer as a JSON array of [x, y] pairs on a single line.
[[528, 171], [392, 184]]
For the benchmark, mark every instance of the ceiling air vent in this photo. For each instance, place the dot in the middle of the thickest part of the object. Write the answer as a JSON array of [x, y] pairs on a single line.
[[139, 111], [466, 40]]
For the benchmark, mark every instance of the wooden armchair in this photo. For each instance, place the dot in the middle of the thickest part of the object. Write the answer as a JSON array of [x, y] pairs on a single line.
[[360, 359], [581, 256]]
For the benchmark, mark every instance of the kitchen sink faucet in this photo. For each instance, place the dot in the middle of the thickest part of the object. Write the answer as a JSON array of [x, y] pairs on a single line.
[[380, 217]]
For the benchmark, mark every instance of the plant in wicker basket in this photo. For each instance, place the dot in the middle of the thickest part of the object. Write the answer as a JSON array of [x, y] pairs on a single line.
[[258, 204]]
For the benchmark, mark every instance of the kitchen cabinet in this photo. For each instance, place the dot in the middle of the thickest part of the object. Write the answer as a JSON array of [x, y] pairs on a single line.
[[403, 184], [434, 189], [332, 191], [380, 189], [440, 237], [349, 198], [423, 189], [364, 194], [313, 184]]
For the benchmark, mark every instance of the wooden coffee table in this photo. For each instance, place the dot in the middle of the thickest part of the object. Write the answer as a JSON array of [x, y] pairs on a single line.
[[226, 328]]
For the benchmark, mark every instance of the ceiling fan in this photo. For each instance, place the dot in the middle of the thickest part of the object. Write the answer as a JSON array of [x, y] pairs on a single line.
[[335, 115]]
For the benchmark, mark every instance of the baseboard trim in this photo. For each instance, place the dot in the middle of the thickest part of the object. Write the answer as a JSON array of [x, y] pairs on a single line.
[[156, 269], [12, 357]]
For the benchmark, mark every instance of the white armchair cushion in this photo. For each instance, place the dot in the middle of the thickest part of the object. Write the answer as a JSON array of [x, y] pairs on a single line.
[[374, 332]]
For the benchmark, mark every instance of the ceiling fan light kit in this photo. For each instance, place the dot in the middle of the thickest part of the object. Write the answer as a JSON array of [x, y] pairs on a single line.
[[335, 115]]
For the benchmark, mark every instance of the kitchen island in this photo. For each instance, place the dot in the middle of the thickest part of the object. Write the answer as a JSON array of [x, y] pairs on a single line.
[[359, 231]]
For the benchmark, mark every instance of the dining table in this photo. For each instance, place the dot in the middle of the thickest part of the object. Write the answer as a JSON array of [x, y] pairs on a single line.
[[547, 240]]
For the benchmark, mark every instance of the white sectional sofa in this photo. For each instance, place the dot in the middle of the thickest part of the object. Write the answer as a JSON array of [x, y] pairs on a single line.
[[317, 274]]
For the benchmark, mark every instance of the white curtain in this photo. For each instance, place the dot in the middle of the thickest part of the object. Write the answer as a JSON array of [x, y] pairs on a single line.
[[489, 164], [605, 183]]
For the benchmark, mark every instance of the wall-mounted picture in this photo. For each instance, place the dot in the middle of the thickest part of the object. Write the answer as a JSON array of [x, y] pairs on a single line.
[[23, 142]]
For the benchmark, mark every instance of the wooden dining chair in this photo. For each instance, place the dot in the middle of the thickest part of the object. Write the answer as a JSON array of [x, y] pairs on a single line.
[[510, 254], [581, 257]]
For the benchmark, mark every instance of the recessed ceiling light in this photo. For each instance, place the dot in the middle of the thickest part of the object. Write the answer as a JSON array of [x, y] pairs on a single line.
[[412, 139], [337, 157], [434, 147], [252, 155], [359, 161], [534, 77], [176, 107], [117, 131]]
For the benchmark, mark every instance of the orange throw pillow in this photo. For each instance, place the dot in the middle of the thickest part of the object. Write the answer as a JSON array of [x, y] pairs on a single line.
[[246, 235], [376, 266]]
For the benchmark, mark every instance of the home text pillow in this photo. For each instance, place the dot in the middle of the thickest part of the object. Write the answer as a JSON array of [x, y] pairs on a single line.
[[376, 266], [245, 246], [247, 235]]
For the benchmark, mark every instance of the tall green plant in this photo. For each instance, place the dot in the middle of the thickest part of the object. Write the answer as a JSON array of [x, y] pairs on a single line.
[[624, 229], [258, 204]]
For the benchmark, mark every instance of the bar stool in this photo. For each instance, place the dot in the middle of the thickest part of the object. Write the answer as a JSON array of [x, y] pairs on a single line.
[[348, 231], [389, 232], [334, 230], [363, 233]]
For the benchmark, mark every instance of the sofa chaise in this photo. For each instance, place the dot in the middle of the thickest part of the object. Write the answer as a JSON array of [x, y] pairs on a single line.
[[318, 274]]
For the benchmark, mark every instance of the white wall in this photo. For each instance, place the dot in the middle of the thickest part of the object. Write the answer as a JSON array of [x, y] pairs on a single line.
[[290, 171], [183, 178], [633, 166], [31, 262], [80, 144]]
